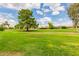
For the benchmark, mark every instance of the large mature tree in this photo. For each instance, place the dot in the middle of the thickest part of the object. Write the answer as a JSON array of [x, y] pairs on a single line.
[[73, 12], [26, 19]]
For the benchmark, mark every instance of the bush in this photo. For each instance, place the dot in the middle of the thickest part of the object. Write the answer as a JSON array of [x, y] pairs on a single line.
[[11, 28], [1, 28], [52, 27], [64, 27]]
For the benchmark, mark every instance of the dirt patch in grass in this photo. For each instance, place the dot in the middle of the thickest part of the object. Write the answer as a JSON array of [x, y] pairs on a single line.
[[11, 53]]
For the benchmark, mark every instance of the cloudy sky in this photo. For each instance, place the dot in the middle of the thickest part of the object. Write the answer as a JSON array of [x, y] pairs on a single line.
[[43, 12]]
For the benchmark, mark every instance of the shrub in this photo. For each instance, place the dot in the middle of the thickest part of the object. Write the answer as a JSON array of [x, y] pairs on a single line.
[[11, 28], [1, 28], [64, 27]]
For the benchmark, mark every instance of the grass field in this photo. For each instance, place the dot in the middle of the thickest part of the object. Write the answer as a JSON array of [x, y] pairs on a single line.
[[54, 42]]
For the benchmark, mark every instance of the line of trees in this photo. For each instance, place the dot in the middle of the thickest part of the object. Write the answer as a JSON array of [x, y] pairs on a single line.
[[27, 21]]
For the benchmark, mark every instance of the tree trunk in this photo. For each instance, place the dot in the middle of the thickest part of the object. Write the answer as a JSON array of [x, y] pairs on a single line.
[[76, 28], [75, 25], [27, 28]]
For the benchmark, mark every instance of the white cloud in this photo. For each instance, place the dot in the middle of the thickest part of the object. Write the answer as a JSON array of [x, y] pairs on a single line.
[[9, 5], [39, 12], [35, 5], [55, 8], [6, 17], [12, 22], [55, 13], [63, 22], [18, 6], [60, 19], [52, 4], [43, 22], [46, 10]]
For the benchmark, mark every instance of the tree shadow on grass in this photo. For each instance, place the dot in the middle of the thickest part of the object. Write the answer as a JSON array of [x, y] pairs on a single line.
[[28, 31]]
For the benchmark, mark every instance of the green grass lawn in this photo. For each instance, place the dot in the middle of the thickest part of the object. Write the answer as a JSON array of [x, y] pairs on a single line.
[[50, 42]]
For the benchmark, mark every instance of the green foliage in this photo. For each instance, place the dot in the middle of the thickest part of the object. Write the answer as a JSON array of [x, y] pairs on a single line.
[[11, 27], [19, 26], [50, 25], [2, 28], [26, 20], [63, 27], [73, 12]]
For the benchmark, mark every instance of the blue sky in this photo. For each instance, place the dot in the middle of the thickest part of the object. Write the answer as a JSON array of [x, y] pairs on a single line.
[[43, 12]]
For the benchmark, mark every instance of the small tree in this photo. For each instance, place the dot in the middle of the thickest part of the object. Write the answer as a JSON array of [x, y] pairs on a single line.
[[50, 25], [5, 24], [26, 19]]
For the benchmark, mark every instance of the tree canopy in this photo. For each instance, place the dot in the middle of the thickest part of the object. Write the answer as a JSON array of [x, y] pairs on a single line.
[[73, 12], [26, 20]]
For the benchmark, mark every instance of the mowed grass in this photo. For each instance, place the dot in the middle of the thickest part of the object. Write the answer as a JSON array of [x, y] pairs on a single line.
[[50, 42]]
